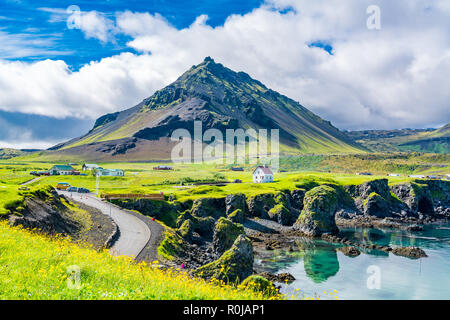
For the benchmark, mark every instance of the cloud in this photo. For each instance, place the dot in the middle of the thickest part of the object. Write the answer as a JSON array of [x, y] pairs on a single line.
[[389, 78], [93, 24], [21, 45]]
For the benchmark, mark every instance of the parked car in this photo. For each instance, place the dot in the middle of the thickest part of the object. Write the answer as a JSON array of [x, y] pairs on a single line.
[[83, 190], [62, 186], [72, 189], [34, 173]]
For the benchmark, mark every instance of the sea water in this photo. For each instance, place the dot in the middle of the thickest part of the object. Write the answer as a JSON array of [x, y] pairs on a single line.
[[320, 269]]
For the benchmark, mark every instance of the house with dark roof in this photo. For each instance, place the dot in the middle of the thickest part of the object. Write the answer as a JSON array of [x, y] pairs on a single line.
[[262, 174], [61, 170]]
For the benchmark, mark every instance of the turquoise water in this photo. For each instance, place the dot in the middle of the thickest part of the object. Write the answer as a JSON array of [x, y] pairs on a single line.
[[318, 267]]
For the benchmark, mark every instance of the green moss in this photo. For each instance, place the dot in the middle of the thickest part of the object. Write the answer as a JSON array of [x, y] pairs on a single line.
[[319, 204], [186, 230], [237, 216], [203, 226], [173, 246], [226, 233], [259, 284], [280, 214], [232, 266]]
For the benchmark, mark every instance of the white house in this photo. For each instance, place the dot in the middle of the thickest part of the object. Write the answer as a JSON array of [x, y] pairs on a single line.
[[61, 170], [87, 166], [110, 172], [262, 174]]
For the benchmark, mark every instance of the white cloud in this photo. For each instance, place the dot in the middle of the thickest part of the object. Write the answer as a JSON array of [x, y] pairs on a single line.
[[391, 78]]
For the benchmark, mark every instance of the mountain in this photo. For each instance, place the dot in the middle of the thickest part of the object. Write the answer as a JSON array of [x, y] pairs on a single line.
[[8, 153], [420, 140], [221, 99]]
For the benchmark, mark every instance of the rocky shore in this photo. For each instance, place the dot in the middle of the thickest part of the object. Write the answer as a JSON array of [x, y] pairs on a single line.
[[220, 237]]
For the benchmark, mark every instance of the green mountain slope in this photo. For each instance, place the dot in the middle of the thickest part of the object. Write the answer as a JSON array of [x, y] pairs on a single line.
[[420, 140], [221, 99], [8, 153]]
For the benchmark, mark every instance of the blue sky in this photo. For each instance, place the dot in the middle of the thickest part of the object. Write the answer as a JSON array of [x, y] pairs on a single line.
[[42, 20], [38, 21], [61, 70]]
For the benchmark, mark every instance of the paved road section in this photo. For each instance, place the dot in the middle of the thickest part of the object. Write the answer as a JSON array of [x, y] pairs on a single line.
[[134, 233]]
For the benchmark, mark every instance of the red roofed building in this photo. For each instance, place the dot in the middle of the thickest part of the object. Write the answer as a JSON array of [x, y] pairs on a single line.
[[262, 174]]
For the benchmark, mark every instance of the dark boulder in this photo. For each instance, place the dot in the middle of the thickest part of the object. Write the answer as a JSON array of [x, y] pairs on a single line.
[[234, 202], [235, 265], [225, 234], [377, 206], [237, 216], [186, 230], [416, 196], [297, 197], [203, 226], [410, 252], [209, 207], [318, 214], [280, 214], [259, 205], [350, 251]]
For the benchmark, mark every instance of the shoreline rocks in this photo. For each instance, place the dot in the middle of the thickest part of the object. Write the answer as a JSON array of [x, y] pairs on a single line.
[[410, 252], [235, 265], [318, 214]]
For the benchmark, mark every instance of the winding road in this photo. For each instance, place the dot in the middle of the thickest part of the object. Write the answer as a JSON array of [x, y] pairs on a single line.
[[135, 234]]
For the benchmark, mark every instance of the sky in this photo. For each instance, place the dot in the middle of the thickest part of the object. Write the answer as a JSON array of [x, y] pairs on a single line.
[[65, 63]]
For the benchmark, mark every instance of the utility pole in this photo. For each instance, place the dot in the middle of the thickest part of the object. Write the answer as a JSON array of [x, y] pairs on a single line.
[[97, 183]]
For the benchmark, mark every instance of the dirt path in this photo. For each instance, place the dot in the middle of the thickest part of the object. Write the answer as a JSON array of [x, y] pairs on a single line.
[[31, 181]]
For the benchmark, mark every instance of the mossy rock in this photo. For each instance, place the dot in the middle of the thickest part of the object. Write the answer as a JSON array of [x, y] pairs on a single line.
[[318, 214], [259, 284], [186, 230], [280, 214], [173, 245], [203, 226], [209, 207], [234, 202], [377, 206], [283, 198], [225, 234], [237, 216], [259, 205], [235, 265]]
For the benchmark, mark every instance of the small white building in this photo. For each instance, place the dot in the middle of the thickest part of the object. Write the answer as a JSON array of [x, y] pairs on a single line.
[[110, 172], [262, 174], [88, 166], [393, 175], [417, 176]]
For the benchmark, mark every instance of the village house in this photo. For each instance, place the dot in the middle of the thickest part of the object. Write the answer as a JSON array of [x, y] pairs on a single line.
[[162, 168], [61, 170], [262, 174], [87, 167], [110, 172]]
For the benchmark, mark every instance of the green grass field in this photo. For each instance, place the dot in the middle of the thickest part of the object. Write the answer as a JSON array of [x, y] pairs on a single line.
[[34, 266], [184, 182]]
